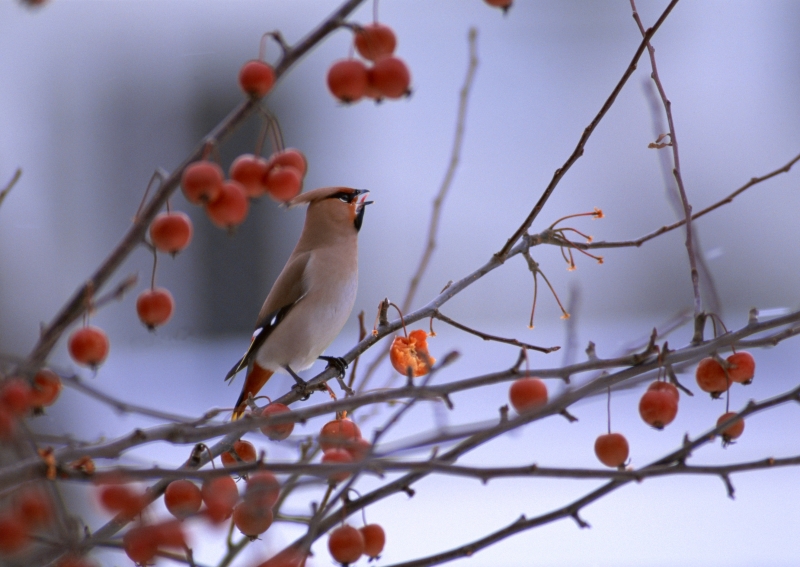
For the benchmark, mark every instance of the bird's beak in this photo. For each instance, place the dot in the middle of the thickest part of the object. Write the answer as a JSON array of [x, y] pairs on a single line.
[[361, 208]]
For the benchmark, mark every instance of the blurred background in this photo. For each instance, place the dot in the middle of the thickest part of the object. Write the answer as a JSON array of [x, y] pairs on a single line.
[[95, 95]]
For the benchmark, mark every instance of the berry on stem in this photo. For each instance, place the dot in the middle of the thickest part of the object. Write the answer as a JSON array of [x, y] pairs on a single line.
[[742, 367], [88, 346], [220, 496], [46, 388], [503, 4], [279, 431], [611, 449], [256, 78], [733, 431], [390, 77], [711, 377], [249, 170], [346, 544], [262, 489], [283, 182], [375, 41], [527, 393], [202, 181], [347, 80], [16, 396], [252, 520], [154, 307], [659, 405], [182, 498], [337, 456], [291, 157], [374, 540], [229, 208], [171, 232], [242, 452], [411, 352], [339, 433]]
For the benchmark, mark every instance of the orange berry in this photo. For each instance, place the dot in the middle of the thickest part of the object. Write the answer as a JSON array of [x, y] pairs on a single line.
[[711, 377], [182, 498], [262, 489], [46, 388], [411, 352], [242, 452], [339, 433], [140, 544], [374, 540], [667, 387], [229, 208], [733, 431], [121, 499], [220, 496], [202, 181], [33, 507], [346, 544], [347, 79], [16, 396], [390, 77], [171, 232], [612, 449], [13, 535], [88, 346], [527, 393], [658, 407], [256, 78], [358, 449], [337, 456], [169, 534], [280, 431], [503, 4], [249, 170], [375, 41], [283, 182], [252, 520], [743, 367], [292, 157], [154, 307]]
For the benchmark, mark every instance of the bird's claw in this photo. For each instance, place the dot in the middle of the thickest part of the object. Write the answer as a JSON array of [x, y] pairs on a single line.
[[336, 362]]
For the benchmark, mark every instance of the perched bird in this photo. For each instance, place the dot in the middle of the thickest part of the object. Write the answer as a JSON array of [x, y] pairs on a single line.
[[312, 298]]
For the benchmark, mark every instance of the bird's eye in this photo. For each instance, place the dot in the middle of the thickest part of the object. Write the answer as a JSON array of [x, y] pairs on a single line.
[[346, 198]]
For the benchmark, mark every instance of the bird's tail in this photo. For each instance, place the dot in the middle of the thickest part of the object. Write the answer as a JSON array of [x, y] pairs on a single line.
[[256, 378]]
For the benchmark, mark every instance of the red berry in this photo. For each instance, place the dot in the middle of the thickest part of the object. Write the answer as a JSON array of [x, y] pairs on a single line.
[[230, 207], [374, 539], [16, 396], [202, 181], [340, 433], [33, 508], [358, 449], [140, 544], [13, 535], [220, 495], [283, 183], [249, 170], [262, 489], [390, 77], [337, 456], [612, 449], [375, 41], [733, 431], [242, 452], [742, 367], [256, 78], [182, 498], [155, 307], [347, 80], [658, 407], [527, 393], [88, 346], [121, 499], [292, 157], [251, 519], [46, 388], [667, 387], [171, 232], [279, 431], [711, 377], [346, 544], [504, 4], [169, 534]]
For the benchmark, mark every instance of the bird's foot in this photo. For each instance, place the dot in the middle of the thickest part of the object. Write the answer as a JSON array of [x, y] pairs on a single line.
[[337, 362], [302, 388]]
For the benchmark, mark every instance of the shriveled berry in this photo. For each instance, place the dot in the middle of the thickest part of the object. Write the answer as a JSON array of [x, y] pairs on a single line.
[[711, 377], [411, 352], [256, 78], [374, 540], [527, 393], [347, 79], [249, 170], [742, 367], [171, 232], [612, 449], [390, 76], [88, 346], [202, 181], [375, 41], [229, 208], [346, 544], [155, 307], [182, 498], [278, 431]]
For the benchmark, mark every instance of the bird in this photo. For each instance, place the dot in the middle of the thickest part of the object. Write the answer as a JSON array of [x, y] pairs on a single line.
[[313, 296]]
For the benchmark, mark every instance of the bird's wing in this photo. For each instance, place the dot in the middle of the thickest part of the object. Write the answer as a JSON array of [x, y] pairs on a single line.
[[289, 288]]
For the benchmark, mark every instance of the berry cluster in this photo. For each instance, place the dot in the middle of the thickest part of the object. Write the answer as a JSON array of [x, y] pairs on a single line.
[[341, 443], [347, 544], [382, 76], [20, 398], [29, 511]]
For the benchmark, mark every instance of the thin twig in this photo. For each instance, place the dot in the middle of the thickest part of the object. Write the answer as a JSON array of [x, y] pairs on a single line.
[[487, 337], [10, 185]]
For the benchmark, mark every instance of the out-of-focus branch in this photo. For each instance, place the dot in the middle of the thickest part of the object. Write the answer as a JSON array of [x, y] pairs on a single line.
[[10, 185]]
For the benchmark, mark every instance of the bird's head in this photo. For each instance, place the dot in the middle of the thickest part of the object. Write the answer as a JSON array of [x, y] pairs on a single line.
[[334, 208]]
